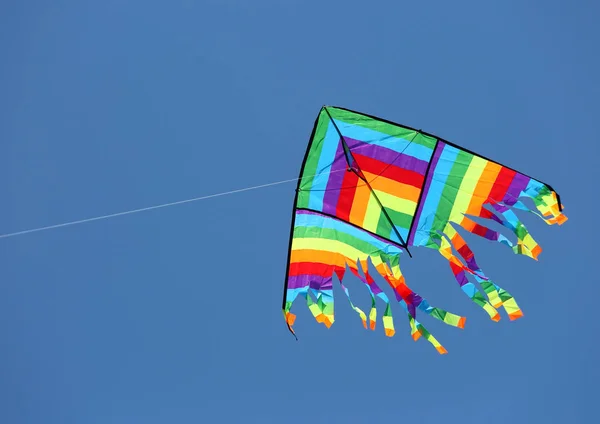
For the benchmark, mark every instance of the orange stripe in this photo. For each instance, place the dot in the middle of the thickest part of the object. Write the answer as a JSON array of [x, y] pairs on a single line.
[[359, 207], [392, 187], [458, 241], [468, 224], [483, 187], [319, 256]]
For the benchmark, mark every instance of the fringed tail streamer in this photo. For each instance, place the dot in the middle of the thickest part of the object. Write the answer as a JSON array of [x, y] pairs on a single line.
[[406, 189], [316, 259]]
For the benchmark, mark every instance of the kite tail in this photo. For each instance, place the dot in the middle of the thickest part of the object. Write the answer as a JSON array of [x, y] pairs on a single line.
[[547, 206], [545, 200], [496, 295], [363, 316], [526, 245], [322, 307], [460, 274], [412, 301], [318, 285], [322, 248], [375, 290], [312, 273]]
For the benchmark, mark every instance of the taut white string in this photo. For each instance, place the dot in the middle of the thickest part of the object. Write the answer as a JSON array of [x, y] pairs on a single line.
[[149, 208]]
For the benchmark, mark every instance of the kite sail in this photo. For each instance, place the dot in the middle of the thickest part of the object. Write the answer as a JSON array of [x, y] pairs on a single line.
[[371, 189]]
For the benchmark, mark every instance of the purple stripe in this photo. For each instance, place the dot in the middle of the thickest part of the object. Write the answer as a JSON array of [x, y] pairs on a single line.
[[324, 283], [495, 217], [501, 208], [471, 263], [299, 281], [314, 281], [434, 161], [388, 156], [335, 181], [415, 299], [462, 279], [411, 308], [517, 185], [375, 288], [490, 234]]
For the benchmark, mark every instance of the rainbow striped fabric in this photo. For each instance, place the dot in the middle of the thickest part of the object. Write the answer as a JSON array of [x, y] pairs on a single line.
[[370, 189]]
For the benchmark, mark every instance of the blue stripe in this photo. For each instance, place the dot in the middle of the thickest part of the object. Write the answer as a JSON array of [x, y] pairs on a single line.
[[330, 145], [533, 187], [377, 138], [403, 232], [292, 294], [434, 195]]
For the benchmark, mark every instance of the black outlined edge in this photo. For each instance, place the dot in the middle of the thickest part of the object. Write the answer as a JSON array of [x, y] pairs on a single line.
[[560, 207], [348, 153], [438, 139], [287, 271]]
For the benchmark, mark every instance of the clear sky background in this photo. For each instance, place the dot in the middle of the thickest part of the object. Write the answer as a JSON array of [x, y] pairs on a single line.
[[173, 315]]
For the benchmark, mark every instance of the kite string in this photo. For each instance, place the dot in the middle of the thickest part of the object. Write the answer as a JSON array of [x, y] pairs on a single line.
[[149, 208]]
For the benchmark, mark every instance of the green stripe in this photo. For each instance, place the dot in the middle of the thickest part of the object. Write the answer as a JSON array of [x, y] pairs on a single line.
[[439, 313], [384, 228], [457, 173], [521, 231], [331, 234], [312, 160], [399, 219], [383, 127]]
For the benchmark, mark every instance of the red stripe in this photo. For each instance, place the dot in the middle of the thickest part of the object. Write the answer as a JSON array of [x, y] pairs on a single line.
[[404, 291], [312, 268], [367, 276], [392, 172], [455, 268], [465, 252], [502, 183], [346, 197], [485, 213], [479, 230]]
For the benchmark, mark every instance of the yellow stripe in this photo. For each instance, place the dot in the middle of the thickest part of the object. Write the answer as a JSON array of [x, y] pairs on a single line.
[[372, 215], [328, 246], [450, 231], [467, 187], [396, 203], [392, 187]]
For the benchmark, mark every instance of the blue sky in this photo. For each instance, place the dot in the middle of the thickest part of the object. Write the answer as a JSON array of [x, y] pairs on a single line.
[[174, 315]]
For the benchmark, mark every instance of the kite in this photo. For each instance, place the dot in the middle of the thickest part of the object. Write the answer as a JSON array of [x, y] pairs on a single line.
[[370, 189]]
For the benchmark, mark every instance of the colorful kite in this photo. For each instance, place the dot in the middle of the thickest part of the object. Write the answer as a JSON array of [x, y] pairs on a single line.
[[370, 189]]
